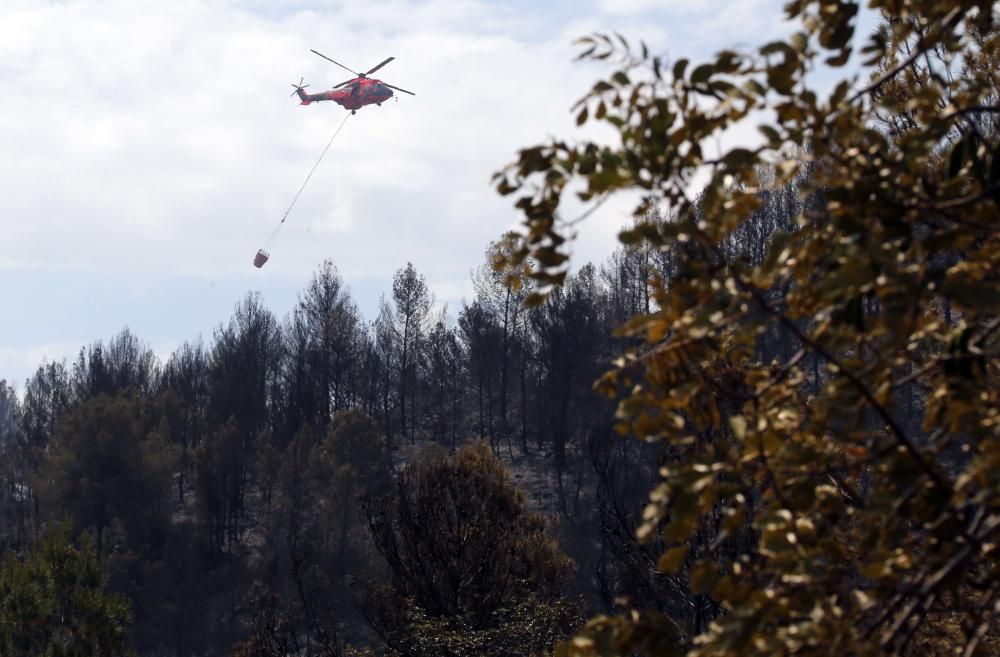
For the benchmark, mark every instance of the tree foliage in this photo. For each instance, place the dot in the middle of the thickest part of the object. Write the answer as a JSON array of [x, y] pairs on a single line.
[[874, 535], [471, 571], [108, 471], [216, 483], [53, 602]]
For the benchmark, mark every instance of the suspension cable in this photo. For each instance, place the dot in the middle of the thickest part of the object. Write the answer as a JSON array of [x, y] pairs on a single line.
[[291, 205]]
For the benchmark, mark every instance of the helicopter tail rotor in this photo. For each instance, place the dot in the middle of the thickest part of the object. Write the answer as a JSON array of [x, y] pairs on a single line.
[[298, 87], [300, 90]]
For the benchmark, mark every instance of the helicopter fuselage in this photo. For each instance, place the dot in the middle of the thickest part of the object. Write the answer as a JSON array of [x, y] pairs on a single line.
[[353, 96]]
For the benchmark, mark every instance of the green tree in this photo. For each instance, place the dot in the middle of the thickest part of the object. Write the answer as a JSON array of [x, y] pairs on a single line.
[[46, 396], [321, 359], [471, 571], [242, 383], [875, 536], [322, 481], [411, 306], [182, 404], [503, 305], [53, 603], [444, 383], [316, 537], [105, 469], [13, 491]]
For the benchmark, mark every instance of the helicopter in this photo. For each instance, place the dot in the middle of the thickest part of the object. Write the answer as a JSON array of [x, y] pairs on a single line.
[[354, 93]]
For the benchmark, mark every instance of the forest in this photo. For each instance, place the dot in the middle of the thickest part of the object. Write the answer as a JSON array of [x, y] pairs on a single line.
[[768, 423], [267, 459]]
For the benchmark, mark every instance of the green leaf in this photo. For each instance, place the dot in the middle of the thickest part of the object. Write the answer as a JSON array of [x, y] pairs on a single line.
[[775, 47], [549, 257], [672, 560], [629, 237], [535, 299], [839, 59], [702, 73], [679, 67], [770, 133], [738, 158], [703, 576]]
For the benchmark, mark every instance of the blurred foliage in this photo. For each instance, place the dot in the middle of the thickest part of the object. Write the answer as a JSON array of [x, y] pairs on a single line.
[[874, 535], [53, 603]]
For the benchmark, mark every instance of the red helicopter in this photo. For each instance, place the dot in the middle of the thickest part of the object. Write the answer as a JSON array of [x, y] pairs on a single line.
[[354, 93]]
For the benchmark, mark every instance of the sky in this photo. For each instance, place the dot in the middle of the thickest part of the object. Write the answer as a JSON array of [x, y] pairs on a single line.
[[150, 148]]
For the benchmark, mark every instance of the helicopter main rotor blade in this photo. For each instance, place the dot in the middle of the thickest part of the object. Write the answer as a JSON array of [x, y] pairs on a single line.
[[379, 66], [398, 89], [335, 62], [338, 86]]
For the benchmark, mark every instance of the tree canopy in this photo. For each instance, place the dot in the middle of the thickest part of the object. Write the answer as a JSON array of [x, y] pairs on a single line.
[[471, 570], [53, 602], [871, 535]]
